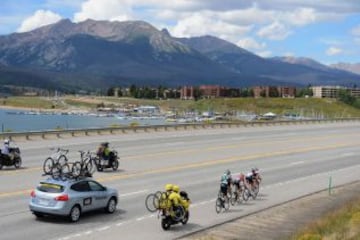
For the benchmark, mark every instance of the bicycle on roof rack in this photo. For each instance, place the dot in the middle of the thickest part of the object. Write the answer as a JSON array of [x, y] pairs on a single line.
[[55, 161], [59, 168], [84, 167]]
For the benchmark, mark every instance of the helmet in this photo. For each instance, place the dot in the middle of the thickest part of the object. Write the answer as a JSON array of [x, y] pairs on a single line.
[[227, 172], [176, 188], [168, 187], [105, 144], [6, 141]]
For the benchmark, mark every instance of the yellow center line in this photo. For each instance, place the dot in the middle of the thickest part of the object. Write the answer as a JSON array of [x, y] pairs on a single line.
[[182, 151], [200, 164]]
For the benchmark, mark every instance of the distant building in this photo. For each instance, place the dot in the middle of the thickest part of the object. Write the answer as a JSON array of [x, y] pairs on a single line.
[[355, 92], [272, 91], [333, 91], [187, 93], [326, 91], [287, 92], [212, 91]]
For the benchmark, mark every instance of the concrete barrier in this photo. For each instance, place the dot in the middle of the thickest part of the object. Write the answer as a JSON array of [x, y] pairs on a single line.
[[33, 135]]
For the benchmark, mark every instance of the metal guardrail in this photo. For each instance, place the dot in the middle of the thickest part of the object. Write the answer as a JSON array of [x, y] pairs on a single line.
[[148, 128]]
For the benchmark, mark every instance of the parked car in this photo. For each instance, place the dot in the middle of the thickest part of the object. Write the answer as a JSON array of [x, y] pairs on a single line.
[[71, 198]]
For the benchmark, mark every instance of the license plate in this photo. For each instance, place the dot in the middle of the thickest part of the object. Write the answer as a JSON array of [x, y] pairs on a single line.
[[43, 202]]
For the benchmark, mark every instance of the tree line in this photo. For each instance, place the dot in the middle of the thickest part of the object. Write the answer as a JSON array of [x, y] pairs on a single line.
[[162, 92]]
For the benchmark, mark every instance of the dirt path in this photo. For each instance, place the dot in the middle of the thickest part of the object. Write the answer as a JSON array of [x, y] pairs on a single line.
[[283, 221]]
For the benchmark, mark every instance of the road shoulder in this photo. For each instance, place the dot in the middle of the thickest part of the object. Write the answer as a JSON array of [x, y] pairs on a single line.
[[282, 221]]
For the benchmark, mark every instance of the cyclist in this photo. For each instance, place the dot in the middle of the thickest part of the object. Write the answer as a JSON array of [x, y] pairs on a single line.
[[225, 182], [238, 179], [251, 177]]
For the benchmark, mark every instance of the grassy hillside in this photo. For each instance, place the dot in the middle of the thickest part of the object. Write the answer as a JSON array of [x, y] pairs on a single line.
[[308, 107], [30, 102]]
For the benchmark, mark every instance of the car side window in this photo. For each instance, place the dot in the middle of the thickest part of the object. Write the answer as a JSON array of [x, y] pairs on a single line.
[[94, 186], [81, 186]]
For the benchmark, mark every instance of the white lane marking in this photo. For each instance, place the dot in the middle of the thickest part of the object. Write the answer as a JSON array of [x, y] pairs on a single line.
[[133, 193], [350, 154], [297, 163], [102, 228], [173, 144], [140, 218]]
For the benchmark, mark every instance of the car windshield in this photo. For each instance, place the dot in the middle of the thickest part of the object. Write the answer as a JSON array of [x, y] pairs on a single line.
[[50, 187]]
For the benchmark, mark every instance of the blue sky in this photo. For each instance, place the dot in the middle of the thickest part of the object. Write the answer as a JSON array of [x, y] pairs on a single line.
[[326, 30]]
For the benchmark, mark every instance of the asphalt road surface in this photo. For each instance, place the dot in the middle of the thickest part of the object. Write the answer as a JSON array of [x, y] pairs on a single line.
[[294, 160]]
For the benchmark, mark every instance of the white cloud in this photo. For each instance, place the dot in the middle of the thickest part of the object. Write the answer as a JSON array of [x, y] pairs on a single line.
[[331, 51], [274, 31], [300, 16], [250, 43], [119, 10], [204, 23], [39, 19], [264, 54]]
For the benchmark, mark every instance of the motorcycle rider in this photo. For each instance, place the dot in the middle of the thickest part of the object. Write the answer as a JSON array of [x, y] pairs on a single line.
[[5, 150], [184, 199], [164, 203], [104, 151], [176, 202]]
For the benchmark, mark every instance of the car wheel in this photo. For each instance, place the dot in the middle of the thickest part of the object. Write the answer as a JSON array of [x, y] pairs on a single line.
[[111, 206], [75, 213], [38, 215], [1, 165]]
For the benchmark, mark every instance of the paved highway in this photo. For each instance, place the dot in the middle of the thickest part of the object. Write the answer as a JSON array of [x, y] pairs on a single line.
[[294, 160]]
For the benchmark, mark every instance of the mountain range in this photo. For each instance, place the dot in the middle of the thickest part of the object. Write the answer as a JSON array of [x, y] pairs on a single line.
[[100, 54]]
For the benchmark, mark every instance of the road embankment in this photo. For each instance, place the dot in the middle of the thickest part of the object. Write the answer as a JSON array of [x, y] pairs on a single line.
[[282, 221]]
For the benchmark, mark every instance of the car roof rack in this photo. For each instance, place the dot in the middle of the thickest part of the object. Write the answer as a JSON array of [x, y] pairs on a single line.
[[67, 176]]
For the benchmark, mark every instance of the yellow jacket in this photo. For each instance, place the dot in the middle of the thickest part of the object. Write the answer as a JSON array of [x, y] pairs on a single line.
[[175, 198]]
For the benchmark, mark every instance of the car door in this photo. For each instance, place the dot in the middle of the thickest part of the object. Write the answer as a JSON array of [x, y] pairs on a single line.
[[99, 193], [83, 195]]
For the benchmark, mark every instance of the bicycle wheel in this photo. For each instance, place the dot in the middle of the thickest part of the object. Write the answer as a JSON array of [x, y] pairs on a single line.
[[246, 194], [255, 191], [89, 166], [65, 172], [48, 165], [234, 198], [56, 171], [218, 205], [226, 203], [158, 200], [76, 169], [149, 202], [62, 159]]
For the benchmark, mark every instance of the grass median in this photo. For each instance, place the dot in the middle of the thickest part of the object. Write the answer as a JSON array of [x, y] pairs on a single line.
[[341, 224]]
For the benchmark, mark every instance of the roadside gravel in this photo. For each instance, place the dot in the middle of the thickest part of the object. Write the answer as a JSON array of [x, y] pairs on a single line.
[[282, 221]]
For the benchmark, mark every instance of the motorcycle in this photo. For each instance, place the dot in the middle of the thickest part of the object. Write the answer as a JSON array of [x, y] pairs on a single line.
[[112, 162], [6, 161], [176, 215]]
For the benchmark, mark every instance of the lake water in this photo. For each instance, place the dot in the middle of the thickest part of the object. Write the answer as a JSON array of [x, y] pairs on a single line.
[[10, 120]]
